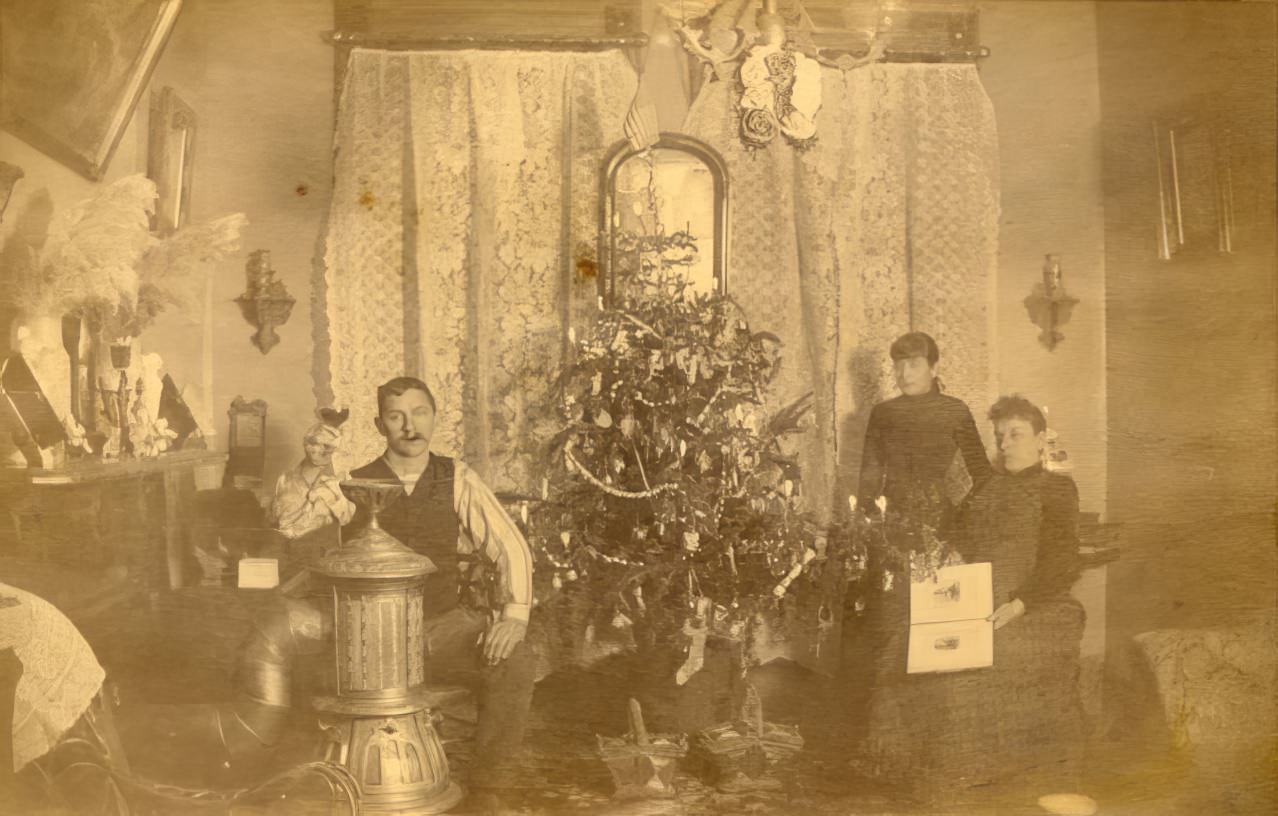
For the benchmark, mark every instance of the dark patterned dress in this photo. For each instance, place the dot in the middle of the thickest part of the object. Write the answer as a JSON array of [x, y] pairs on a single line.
[[922, 453], [912, 448], [941, 733]]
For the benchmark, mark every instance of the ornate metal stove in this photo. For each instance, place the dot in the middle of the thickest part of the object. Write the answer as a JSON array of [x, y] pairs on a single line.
[[379, 724]]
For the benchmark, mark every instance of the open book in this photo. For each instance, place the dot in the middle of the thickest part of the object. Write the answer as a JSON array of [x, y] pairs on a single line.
[[949, 630]]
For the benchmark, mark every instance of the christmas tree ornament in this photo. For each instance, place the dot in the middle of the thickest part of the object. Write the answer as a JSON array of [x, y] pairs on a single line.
[[697, 631]]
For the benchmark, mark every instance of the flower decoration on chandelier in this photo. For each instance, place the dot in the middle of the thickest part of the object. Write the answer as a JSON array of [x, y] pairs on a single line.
[[780, 92]]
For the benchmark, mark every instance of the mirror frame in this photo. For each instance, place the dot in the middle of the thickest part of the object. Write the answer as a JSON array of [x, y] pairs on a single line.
[[617, 156]]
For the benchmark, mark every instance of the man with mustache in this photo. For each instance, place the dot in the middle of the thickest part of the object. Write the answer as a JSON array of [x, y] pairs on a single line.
[[449, 515]]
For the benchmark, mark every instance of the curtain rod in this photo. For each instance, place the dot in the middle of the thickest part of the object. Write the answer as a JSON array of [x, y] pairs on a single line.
[[539, 42], [929, 56]]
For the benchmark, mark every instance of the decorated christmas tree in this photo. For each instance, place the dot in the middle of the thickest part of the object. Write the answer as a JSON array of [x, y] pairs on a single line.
[[670, 502], [671, 510]]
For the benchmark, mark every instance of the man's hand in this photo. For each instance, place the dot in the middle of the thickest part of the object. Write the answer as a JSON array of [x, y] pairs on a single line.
[[1007, 613], [501, 639]]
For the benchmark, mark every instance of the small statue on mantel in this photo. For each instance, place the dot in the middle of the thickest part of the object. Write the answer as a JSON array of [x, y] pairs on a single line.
[[309, 496], [149, 433]]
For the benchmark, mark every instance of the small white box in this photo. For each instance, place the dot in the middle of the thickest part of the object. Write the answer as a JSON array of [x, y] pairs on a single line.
[[259, 573]]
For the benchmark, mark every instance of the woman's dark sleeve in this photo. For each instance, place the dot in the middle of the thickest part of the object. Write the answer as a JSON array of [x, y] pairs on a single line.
[[968, 440], [1056, 567], [870, 486]]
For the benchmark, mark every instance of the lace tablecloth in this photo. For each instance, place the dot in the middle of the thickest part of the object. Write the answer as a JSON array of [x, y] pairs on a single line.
[[60, 674]]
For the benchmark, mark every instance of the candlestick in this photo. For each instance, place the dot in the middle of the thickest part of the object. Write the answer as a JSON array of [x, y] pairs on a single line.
[[1052, 276]]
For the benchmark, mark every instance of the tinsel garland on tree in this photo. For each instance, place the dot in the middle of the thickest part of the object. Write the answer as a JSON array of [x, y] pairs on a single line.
[[670, 510], [669, 494]]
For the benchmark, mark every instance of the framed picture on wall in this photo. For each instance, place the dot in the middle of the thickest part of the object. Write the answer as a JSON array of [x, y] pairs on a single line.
[[72, 71], [170, 151], [1195, 186]]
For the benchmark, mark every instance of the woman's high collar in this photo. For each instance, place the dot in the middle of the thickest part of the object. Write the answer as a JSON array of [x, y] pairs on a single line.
[[1023, 473], [934, 392]]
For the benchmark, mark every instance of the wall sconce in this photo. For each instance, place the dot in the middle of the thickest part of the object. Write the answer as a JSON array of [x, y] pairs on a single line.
[[265, 303], [1049, 306]]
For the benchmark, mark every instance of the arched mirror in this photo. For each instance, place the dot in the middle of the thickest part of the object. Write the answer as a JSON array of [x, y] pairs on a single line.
[[667, 205]]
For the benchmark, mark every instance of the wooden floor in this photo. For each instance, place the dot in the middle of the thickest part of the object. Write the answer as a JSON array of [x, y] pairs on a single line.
[[172, 655]]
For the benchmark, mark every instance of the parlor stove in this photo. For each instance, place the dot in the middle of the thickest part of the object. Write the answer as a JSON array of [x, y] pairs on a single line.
[[379, 724]]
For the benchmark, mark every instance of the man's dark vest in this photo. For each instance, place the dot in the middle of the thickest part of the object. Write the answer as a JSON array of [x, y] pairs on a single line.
[[426, 521]]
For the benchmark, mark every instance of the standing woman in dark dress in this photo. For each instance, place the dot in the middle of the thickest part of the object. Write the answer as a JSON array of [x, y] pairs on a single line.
[[922, 452], [914, 441], [942, 733]]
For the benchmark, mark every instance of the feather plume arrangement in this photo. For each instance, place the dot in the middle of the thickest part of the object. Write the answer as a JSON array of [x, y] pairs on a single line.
[[101, 257], [92, 250]]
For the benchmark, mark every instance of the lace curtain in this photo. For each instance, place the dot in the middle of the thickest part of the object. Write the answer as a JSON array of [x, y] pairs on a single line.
[[364, 276], [466, 189], [889, 223]]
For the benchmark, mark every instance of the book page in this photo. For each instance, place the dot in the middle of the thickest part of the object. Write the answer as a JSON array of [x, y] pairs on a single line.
[[963, 592], [949, 630], [953, 646]]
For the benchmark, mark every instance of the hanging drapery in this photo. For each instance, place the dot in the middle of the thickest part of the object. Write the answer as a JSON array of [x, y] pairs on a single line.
[[507, 147], [363, 292], [888, 223], [466, 208]]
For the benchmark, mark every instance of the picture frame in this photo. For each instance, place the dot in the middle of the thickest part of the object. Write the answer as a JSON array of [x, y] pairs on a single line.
[[170, 158], [612, 198], [1195, 186], [72, 72]]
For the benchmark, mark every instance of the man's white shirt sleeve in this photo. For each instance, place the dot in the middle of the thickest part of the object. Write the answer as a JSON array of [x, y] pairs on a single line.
[[494, 534]]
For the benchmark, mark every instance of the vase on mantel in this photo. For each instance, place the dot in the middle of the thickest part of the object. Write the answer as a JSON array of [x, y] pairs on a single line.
[[114, 364]]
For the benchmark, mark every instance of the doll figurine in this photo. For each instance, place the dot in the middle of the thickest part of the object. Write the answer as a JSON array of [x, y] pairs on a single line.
[[309, 497]]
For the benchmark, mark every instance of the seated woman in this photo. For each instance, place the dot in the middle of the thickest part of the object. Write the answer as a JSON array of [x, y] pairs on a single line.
[[309, 506], [1021, 717]]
